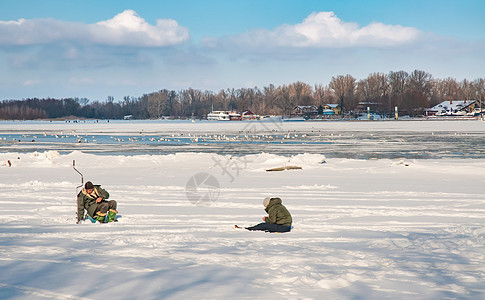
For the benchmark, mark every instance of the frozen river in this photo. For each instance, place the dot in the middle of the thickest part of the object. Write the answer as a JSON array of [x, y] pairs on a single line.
[[406, 220], [361, 140]]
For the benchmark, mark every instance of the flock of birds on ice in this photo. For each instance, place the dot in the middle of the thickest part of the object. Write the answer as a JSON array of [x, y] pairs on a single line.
[[194, 138], [179, 137]]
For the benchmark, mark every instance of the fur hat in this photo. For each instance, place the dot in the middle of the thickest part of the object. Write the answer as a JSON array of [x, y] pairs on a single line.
[[266, 201], [89, 185]]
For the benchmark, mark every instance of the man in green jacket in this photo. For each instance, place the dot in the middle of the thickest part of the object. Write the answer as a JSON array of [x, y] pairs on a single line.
[[278, 218], [93, 199]]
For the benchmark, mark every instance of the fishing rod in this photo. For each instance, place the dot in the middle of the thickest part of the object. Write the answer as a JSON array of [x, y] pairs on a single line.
[[77, 188]]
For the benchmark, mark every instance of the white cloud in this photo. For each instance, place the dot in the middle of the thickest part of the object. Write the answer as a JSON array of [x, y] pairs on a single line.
[[32, 82], [324, 30], [125, 29]]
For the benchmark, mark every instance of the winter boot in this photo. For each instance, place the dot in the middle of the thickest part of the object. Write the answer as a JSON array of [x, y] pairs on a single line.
[[100, 217], [111, 215], [88, 217]]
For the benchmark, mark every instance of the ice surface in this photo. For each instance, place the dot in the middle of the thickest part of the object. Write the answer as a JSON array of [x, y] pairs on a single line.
[[384, 228], [359, 140]]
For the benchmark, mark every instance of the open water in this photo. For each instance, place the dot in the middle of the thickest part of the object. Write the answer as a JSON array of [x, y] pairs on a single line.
[[341, 140]]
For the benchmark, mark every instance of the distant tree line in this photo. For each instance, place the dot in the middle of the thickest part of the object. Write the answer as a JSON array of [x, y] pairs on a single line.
[[411, 92]]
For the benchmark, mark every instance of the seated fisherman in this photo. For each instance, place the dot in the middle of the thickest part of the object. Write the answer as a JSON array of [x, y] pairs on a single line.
[[278, 218], [93, 199]]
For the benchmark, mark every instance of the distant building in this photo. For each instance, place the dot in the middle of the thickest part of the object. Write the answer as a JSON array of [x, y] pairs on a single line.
[[452, 108], [305, 110], [365, 106], [249, 115], [331, 109]]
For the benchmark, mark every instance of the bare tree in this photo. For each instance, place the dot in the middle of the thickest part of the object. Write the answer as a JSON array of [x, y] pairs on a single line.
[[301, 93], [344, 87], [170, 103], [420, 81], [221, 101], [368, 91], [258, 102], [323, 95], [397, 86], [232, 99], [374, 87], [268, 105], [468, 89], [445, 90], [418, 92], [156, 103], [243, 98], [284, 99], [480, 92], [191, 100]]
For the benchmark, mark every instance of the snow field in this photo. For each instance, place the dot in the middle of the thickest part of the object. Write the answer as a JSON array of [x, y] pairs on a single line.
[[375, 229]]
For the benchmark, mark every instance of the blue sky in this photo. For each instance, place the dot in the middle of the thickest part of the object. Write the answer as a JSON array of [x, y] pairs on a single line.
[[96, 49]]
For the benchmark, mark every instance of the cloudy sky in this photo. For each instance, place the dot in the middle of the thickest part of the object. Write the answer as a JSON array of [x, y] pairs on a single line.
[[96, 49]]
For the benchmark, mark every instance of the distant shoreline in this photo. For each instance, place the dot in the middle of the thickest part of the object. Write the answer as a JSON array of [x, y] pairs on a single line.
[[83, 120]]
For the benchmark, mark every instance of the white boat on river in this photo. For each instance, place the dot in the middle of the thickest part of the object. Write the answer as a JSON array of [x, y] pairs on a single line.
[[221, 115]]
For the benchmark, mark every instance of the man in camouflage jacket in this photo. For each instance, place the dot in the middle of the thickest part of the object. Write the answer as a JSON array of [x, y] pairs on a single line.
[[93, 199]]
